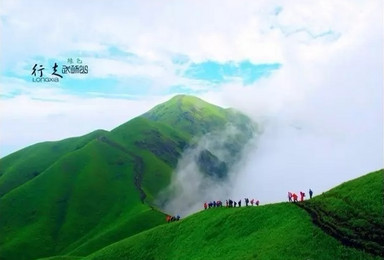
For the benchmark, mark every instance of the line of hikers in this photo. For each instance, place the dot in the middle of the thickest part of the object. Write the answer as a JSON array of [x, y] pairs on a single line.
[[172, 218], [230, 203], [292, 197]]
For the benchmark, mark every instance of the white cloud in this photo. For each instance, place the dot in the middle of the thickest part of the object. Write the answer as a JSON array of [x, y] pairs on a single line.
[[220, 30]]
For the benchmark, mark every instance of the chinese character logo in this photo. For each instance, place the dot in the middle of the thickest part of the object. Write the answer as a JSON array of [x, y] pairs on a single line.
[[40, 70], [55, 70], [73, 66]]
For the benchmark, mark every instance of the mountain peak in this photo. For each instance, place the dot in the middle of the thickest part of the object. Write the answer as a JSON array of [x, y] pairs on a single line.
[[187, 102], [186, 98], [188, 113]]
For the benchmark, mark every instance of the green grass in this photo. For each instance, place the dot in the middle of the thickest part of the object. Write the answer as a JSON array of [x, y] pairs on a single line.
[[280, 231], [277, 231], [77, 202], [159, 146], [24, 165], [353, 211], [359, 197], [61, 258]]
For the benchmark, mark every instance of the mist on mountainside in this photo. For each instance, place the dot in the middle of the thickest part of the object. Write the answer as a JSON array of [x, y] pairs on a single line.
[[205, 171]]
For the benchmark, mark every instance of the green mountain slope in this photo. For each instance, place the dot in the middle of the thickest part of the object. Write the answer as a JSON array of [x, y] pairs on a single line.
[[278, 231], [24, 165], [79, 198], [353, 212], [79, 195]]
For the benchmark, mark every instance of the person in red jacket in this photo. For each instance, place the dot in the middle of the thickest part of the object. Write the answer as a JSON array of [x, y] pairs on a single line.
[[302, 195], [294, 197], [205, 205]]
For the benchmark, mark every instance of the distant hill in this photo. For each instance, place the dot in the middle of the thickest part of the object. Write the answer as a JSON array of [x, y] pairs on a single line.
[[81, 194], [276, 231]]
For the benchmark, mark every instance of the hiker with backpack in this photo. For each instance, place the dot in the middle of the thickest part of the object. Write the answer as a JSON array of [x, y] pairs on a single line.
[[246, 201]]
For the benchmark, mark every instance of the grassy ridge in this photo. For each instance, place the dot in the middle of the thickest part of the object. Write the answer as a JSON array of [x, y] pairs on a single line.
[[353, 212], [79, 198], [280, 231], [157, 145], [24, 165], [277, 231]]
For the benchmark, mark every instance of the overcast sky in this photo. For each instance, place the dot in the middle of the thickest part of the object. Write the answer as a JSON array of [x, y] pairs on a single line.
[[311, 72]]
